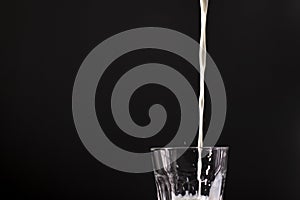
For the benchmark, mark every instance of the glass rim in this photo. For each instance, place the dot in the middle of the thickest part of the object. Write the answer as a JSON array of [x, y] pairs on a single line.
[[179, 148]]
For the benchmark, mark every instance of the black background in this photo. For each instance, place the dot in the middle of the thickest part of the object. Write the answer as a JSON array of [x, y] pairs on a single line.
[[255, 45]]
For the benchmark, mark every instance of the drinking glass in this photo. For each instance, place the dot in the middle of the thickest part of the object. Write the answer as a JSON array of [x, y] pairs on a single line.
[[178, 172]]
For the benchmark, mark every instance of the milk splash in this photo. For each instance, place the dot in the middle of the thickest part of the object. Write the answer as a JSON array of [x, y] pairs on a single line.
[[214, 194]]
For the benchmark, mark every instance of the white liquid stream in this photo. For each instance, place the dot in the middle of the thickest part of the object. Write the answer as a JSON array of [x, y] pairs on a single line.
[[202, 62], [215, 190]]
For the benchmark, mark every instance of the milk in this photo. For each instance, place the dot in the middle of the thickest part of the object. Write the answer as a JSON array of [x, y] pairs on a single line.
[[202, 62], [214, 193]]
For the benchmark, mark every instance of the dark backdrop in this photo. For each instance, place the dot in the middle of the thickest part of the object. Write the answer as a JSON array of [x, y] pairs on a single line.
[[255, 45]]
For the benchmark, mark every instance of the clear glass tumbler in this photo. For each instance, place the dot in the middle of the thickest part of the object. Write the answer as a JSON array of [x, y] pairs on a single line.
[[178, 171]]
